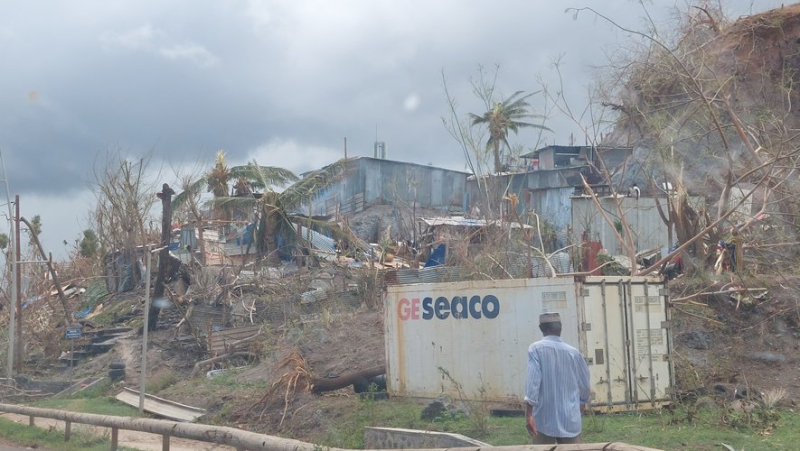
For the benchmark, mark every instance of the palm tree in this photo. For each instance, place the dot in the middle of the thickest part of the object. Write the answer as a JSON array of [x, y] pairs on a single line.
[[217, 178], [216, 182], [276, 210], [505, 116]]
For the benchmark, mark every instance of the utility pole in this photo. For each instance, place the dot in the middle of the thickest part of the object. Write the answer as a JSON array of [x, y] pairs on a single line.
[[148, 261], [14, 269], [163, 257], [17, 288], [344, 198]]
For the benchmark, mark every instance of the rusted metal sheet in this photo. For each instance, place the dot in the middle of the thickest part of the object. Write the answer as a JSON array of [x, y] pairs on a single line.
[[222, 339], [476, 334]]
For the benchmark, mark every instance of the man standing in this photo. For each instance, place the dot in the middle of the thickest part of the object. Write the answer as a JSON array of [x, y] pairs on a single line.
[[557, 387]]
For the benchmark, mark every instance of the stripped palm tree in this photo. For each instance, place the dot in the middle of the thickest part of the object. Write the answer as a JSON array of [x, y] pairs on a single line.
[[216, 181], [277, 210], [504, 116]]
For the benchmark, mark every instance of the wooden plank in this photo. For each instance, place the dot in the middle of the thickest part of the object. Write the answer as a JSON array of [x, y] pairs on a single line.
[[83, 384], [160, 406], [223, 338]]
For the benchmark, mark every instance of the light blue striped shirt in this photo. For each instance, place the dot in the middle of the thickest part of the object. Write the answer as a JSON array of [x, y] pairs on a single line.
[[556, 386]]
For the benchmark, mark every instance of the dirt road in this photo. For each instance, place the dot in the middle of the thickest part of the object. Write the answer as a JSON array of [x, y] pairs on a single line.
[[5, 445], [130, 439]]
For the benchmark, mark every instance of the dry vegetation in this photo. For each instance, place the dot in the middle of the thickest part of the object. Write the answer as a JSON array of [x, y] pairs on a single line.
[[703, 108]]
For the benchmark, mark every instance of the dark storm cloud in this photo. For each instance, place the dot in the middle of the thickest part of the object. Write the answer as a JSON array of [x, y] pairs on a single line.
[[281, 82]]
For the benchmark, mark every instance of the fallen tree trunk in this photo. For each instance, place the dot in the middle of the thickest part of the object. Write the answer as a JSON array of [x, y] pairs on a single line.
[[319, 385]]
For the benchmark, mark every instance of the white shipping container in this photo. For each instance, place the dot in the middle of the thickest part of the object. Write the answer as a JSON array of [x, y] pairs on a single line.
[[471, 338]]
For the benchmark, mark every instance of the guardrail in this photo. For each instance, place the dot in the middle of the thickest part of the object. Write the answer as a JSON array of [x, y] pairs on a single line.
[[239, 439], [243, 440]]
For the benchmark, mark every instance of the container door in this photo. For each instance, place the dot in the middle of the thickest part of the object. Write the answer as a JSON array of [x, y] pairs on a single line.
[[605, 348], [649, 350]]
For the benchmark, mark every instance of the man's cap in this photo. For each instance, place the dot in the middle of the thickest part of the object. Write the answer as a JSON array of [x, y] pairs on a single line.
[[545, 318]]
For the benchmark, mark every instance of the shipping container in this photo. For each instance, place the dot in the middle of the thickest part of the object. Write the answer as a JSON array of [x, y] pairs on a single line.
[[470, 339]]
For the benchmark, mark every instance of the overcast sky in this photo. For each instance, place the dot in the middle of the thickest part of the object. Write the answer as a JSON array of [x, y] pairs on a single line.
[[281, 82]]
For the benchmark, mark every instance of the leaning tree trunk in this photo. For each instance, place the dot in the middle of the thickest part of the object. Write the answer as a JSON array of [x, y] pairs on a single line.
[[163, 256], [61, 296]]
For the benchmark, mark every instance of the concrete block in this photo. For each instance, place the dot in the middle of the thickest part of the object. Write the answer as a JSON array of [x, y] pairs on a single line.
[[397, 438]]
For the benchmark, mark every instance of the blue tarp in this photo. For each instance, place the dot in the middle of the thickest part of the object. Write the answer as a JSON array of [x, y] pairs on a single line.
[[437, 256], [83, 313], [244, 238]]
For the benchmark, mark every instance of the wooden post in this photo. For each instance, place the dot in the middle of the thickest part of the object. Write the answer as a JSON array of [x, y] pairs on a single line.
[[67, 431], [165, 442], [18, 287], [163, 256], [114, 439], [30, 420]]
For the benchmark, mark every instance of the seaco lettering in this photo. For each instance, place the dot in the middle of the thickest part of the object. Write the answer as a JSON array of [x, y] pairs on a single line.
[[460, 307]]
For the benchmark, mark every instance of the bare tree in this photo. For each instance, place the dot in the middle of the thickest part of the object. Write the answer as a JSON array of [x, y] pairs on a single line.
[[708, 121], [124, 198], [481, 158]]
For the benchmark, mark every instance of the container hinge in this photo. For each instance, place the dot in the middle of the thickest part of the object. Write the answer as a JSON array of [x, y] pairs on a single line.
[[663, 292], [665, 324], [584, 292], [590, 361], [665, 357], [586, 327]]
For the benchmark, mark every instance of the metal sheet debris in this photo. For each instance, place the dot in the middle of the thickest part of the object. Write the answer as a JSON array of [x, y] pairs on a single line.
[[161, 407]]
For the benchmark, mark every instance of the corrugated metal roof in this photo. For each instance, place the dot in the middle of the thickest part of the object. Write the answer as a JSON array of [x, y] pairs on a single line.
[[433, 274], [321, 243], [461, 221]]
